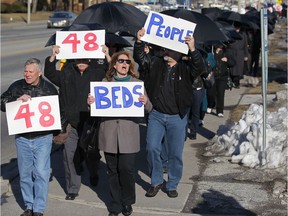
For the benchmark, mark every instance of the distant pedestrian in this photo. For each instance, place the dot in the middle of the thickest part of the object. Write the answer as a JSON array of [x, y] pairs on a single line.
[[239, 50], [216, 95], [33, 148]]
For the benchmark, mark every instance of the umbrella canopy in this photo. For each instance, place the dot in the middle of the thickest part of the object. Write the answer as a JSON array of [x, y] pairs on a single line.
[[114, 16], [232, 16], [229, 31], [255, 17], [110, 38], [206, 30]]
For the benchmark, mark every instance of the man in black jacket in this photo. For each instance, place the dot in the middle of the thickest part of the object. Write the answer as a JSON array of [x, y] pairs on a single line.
[[74, 86], [33, 148], [169, 87]]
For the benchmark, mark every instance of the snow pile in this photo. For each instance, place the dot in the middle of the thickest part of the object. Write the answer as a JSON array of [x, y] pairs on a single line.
[[243, 141]]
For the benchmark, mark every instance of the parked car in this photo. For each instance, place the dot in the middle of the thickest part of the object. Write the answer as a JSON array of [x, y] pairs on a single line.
[[143, 7], [60, 19]]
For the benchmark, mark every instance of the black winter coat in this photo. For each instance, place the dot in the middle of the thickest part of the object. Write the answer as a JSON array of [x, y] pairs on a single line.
[[221, 70], [74, 88], [186, 72]]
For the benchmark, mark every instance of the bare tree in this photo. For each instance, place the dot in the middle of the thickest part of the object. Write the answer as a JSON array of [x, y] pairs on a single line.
[[34, 6]]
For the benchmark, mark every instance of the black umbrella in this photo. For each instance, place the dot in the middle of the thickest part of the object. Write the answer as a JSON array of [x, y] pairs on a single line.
[[232, 17], [229, 31], [206, 30], [212, 12], [110, 38], [256, 18], [114, 16]]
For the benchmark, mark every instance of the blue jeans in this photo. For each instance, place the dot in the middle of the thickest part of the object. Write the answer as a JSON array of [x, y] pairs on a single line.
[[34, 169], [174, 128]]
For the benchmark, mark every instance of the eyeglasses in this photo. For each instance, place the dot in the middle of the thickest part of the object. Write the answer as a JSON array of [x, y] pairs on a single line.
[[122, 60]]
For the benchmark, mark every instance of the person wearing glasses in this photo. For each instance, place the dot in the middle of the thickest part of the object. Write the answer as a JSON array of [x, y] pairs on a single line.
[[74, 86], [119, 139], [170, 82]]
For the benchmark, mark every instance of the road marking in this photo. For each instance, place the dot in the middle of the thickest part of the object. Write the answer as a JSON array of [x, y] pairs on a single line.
[[8, 54]]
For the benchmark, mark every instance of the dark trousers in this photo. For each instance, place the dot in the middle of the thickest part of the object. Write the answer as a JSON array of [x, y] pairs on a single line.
[[121, 176], [254, 65], [197, 98], [216, 95], [236, 80]]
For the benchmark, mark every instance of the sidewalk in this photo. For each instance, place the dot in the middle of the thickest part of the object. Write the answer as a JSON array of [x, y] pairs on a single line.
[[200, 182]]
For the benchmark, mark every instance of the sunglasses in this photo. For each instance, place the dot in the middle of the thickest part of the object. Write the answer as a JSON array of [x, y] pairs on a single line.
[[122, 60]]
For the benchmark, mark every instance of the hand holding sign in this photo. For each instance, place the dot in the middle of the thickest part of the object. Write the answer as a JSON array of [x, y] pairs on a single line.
[[167, 31], [117, 99], [80, 44], [37, 114]]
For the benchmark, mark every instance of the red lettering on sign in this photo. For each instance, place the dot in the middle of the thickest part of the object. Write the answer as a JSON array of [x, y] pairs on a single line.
[[90, 38], [46, 119], [24, 112], [72, 39]]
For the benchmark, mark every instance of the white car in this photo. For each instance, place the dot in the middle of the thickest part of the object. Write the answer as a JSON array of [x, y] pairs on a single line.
[[143, 7]]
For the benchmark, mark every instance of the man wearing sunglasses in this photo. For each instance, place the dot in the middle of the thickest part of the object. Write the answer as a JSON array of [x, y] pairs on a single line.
[[74, 86], [169, 86]]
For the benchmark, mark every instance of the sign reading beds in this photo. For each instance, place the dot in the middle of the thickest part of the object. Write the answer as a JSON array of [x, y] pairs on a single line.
[[117, 99]]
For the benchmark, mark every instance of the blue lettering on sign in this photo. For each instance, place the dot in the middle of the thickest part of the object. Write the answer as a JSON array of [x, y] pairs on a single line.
[[136, 87], [101, 97], [103, 102], [115, 97], [127, 97], [171, 33]]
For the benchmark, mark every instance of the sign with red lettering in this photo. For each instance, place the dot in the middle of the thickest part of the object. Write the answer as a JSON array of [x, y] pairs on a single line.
[[167, 31], [117, 99], [37, 114], [80, 44]]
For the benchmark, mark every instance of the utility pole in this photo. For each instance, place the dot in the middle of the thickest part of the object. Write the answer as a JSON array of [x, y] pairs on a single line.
[[239, 6], [28, 11]]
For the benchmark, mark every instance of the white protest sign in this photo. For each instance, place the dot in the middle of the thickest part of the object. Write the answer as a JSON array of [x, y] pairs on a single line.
[[37, 114], [80, 44], [117, 99], [167, 31]]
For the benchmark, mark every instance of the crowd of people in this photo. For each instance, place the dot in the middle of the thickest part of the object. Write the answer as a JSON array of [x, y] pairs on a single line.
[[179, 91]]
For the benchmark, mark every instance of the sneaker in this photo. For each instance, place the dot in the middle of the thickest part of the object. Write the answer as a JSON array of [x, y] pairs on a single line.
[[27, 212], [172, 193], [153, 190], [201, 123], [127, 210], [209, 110], [220, 115], [71, 196]]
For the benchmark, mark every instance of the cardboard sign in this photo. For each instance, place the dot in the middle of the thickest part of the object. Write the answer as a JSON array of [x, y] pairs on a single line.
[[167, 31], [80, 44], [37, 114], [117, 99]]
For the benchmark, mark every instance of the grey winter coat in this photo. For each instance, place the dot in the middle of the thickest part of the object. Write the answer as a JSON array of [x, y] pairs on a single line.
[[121, 134], [239, 50]]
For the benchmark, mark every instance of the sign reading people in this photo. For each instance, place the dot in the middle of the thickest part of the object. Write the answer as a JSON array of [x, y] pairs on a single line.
[[37, 114], [117, 99], [167, 31], [80, 44]]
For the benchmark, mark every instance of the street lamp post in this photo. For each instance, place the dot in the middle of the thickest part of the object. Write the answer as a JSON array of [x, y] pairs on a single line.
[[28, 11]]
